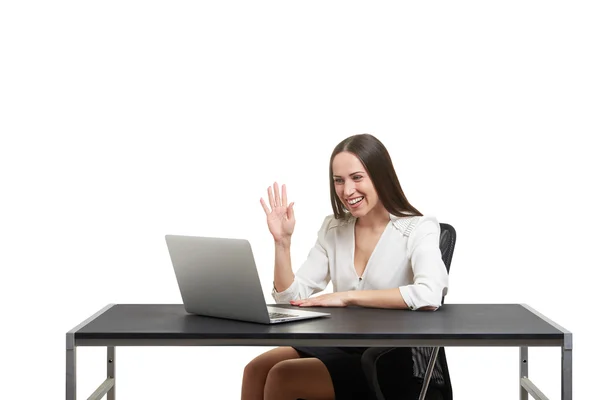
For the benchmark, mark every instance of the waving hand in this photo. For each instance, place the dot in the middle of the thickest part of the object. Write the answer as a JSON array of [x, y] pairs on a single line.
[[280, 216]]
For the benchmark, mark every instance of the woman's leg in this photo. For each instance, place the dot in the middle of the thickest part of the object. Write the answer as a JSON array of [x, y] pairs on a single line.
[[255, 373], [301, 378]]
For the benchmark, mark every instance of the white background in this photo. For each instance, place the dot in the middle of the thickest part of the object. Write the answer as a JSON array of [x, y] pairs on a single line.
[[123, 121]]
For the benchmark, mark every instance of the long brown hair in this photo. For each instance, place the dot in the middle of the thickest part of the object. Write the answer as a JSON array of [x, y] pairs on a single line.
[[378, 163]]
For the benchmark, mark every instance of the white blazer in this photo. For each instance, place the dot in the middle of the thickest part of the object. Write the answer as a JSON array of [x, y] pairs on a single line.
[[406, 257]]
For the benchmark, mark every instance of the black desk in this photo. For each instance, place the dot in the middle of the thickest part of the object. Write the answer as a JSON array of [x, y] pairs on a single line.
[[452, 325]]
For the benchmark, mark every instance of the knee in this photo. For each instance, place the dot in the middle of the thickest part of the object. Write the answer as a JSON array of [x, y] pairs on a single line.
[[256, 369], [280, 382], [281, 372]]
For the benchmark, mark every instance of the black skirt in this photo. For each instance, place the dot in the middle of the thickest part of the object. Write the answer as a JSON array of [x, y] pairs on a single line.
[[394, 372]]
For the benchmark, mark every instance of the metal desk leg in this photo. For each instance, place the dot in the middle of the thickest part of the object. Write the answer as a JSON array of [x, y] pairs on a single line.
[[106, 388], [429, 372], [110, 371], [523, 371], [108, 385], [567, 368], [71, 371]]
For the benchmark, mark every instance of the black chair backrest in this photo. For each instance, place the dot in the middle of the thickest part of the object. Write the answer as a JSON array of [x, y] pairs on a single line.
[[447, 241]]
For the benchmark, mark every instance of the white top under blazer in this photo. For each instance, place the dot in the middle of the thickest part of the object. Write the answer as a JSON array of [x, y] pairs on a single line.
[[407, 256]]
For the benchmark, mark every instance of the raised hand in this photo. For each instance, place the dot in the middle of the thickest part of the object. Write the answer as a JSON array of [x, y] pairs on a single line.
[[280, 217]]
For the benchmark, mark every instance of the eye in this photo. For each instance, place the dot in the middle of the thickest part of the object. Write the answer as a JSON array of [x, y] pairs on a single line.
[[357, 177], [338, 180]]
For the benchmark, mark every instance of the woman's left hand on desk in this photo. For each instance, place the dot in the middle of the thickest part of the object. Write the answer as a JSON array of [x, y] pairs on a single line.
[[339, 299]]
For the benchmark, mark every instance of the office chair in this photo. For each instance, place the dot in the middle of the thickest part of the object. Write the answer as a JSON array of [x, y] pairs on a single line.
[[372, 355]]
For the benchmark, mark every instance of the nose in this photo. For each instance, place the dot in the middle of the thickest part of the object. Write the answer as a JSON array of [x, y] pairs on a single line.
[[349, 188]]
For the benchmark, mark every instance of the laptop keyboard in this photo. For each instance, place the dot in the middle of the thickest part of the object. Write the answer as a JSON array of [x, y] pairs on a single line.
[[275, 315]]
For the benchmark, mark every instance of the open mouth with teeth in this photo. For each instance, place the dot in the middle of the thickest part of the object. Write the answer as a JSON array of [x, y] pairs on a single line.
[[355, 202]]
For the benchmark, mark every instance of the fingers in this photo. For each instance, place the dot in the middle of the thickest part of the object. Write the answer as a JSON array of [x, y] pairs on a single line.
[[271, 200], [290, 211], [305, 303], [264, 206], [277, 198]]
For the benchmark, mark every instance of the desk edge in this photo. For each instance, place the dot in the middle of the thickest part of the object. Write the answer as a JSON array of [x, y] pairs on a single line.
[[71, 333], [568, 341]]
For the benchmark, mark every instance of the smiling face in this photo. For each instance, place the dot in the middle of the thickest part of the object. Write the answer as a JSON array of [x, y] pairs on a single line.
[[353, 185]]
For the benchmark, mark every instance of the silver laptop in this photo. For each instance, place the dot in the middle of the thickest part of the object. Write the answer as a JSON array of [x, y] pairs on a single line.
[[217, 277]]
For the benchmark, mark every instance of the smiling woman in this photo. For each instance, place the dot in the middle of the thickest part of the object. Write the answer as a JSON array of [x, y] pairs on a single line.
[[376, 249]]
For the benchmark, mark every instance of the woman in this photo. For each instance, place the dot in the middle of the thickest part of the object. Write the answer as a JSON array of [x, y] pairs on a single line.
[[376, 249]]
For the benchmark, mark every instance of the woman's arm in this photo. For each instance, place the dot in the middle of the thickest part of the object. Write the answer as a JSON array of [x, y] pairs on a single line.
[[281, 222], [384, 298], [430, 282], [284, 276], [312, 277]]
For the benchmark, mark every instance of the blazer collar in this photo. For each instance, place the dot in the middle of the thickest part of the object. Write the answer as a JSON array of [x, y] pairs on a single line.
[[404, 224]]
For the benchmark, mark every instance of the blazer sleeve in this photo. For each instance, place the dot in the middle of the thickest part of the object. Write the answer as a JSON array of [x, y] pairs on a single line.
[[430, 281], [313, 276]]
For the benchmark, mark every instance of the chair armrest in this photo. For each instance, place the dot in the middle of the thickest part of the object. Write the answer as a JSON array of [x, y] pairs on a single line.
[[369, 365], [371, 358]]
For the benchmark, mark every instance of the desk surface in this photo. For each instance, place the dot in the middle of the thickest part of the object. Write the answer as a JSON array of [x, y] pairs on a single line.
[[450, 322]]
